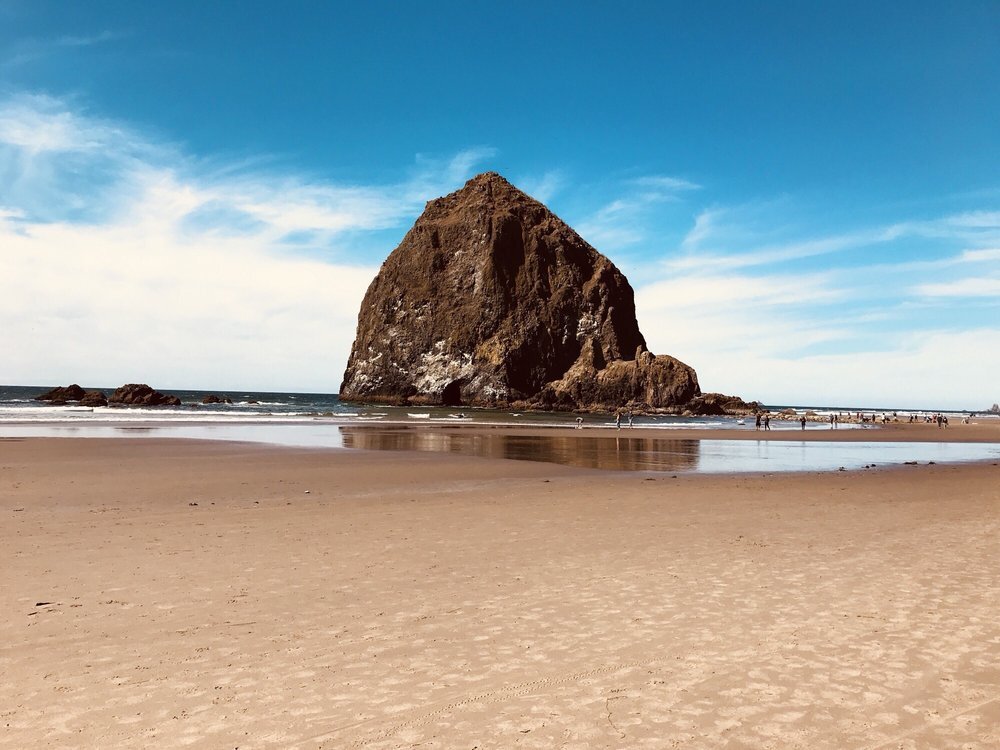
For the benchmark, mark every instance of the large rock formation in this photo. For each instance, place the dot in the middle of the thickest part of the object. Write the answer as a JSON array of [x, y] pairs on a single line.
[[490, 300]]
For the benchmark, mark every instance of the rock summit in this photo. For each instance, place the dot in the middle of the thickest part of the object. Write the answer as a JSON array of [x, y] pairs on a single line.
[[492, 300]]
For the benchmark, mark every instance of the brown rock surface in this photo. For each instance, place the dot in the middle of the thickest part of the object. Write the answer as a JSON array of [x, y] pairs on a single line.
[[490, 299], [94, 398], [61, 395], [140, 394]]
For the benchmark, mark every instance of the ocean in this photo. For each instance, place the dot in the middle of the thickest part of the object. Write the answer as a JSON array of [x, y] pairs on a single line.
[[318, 420], [18, 406]]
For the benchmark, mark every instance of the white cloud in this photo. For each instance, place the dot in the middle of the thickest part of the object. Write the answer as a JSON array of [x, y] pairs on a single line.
[[666, 184], [857, 333], [162, 272], [983, 255], [761, 339], [969, 287]]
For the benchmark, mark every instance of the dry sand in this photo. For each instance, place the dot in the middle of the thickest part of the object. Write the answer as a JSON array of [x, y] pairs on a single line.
[[177, 593]]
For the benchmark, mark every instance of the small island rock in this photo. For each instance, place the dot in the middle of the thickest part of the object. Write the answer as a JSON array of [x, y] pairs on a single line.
[[62, 394], [94, 398], [140, 394]]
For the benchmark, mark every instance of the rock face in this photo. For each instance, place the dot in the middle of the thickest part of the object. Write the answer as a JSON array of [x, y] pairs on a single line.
[[94, 398], [492, 300], [213, 399], [140, 394], [61, 395]]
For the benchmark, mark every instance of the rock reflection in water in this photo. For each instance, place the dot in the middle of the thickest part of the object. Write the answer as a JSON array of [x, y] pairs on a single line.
[[609, 453]]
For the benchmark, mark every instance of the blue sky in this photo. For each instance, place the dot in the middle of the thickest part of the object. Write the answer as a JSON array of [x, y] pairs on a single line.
[[805, 196]]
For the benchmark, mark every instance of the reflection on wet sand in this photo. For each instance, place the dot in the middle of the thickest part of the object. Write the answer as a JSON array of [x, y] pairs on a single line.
[[592, 452]]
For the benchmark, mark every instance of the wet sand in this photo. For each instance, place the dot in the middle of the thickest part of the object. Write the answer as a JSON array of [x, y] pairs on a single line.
[[178, 593]]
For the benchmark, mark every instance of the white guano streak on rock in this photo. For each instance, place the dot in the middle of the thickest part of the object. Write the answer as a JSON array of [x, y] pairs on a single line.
[[437, 368]]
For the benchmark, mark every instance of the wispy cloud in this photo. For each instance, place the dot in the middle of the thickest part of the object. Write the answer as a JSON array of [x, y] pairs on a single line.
[[30, 50], [769, 310], [542, 187], [625, 220], [733, 237], [968, 287], [666, 185]]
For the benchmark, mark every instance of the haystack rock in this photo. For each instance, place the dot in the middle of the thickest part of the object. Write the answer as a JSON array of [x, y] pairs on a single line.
[[492, 300]]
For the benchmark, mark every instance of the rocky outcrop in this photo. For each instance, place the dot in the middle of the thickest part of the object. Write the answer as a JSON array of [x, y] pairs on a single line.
[[62, 394], [140, 394], [490, 300], [717, 404], [94, 398], [213, 399]]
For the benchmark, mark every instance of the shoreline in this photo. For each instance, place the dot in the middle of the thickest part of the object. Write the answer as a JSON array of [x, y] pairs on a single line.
[[629, 450], [217, 594], [976, 432]]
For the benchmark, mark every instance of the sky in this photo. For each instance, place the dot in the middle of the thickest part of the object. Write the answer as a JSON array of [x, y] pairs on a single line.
[[805, 196]]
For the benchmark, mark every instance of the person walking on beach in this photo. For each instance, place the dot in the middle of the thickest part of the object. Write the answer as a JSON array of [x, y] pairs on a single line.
[[618, 419], [629, 417], [831, 421], [803, 421], [757, 422], [579, 423], [767, 421]]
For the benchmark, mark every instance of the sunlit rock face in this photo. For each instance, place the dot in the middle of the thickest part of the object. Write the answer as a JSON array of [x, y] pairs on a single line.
[[492, 300]]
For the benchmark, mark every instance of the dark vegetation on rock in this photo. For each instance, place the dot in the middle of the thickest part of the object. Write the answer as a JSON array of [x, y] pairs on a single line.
[[492, 300]]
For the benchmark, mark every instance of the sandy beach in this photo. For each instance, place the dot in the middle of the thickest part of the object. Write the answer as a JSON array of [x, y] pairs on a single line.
[[176, 593]]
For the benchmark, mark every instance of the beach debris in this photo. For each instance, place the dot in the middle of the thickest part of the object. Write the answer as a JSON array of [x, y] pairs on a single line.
[[305, 492], [192, 503]]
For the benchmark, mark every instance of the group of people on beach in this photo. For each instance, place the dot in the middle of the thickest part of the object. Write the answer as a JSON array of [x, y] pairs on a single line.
[[618, 418], [766, 421]]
